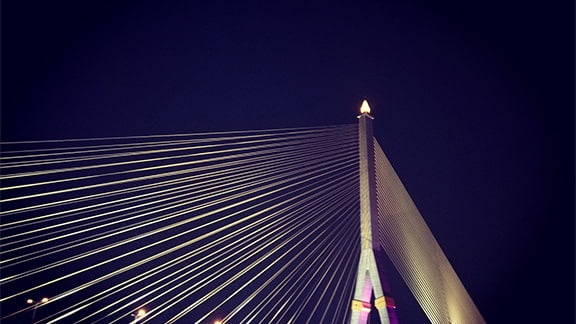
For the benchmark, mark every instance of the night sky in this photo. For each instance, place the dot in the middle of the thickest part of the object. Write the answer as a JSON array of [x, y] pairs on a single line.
[[474, 106]]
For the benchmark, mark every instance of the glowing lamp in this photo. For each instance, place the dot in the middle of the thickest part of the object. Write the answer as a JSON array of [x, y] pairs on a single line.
[[44, 300], [141, 312], [365, 108], [29, 301]]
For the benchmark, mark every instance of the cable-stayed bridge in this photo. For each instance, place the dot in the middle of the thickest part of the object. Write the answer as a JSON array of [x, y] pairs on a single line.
[[269, 226]]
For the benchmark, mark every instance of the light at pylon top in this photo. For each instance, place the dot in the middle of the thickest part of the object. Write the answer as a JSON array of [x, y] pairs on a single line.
[[365, 108]]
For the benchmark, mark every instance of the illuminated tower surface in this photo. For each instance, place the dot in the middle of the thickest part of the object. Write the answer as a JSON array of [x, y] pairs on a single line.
[[370, 277]]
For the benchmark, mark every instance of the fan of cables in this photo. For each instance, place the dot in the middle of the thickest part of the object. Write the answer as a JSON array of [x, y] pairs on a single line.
[[234, 227]]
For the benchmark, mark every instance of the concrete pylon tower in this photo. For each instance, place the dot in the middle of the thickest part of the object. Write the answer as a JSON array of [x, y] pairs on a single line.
[[370, 267]]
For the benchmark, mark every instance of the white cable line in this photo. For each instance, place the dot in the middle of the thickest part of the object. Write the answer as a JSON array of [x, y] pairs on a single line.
[[262, 152], [276, 238], [202, 169], [125, 219], [196, 240], [7, 279], [235, 251], [230, 190], [88, 167], [172, 135], [324, 244], [291, 199], [338, 266], [157, 151], [113, 147], [279, 288], [261, 259], [210, 185]]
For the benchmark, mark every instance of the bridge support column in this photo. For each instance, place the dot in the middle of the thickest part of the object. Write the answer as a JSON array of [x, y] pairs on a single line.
[[370, 268], [367, 282]]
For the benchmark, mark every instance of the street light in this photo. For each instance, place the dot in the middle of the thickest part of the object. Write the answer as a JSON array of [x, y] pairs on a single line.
[[31, 301], [139, 314]]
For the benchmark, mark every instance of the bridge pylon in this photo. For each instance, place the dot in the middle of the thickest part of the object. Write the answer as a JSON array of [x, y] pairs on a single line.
[[370, 276]]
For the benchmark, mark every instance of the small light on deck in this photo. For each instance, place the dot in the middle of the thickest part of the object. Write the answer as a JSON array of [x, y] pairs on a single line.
[[365, 108], [139, 313]]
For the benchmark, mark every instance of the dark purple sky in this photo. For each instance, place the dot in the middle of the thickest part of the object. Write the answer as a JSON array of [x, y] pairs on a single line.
[[474, 106]]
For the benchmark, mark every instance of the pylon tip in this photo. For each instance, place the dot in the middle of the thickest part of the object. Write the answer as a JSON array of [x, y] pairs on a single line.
[[365, 108]]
